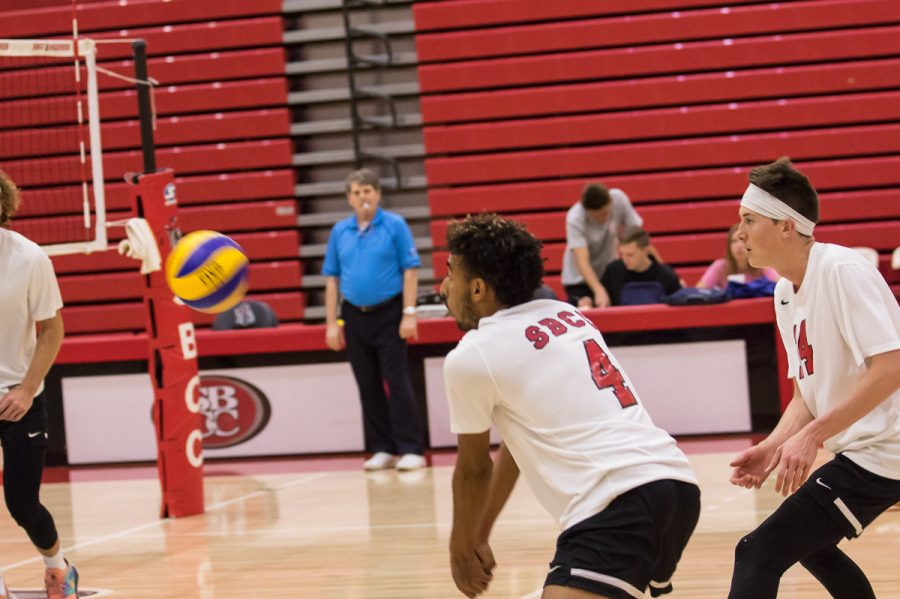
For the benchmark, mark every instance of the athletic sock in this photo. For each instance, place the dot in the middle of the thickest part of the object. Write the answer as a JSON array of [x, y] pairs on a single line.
[[56, 561]]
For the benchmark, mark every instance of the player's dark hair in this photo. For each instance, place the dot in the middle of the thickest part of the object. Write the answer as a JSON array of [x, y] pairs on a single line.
[[363, 177], [595, 196], [635, 235], [9, 199], [500, 251], [789, 185]]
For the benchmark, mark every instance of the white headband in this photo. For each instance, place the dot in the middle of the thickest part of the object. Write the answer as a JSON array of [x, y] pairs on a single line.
[[761, 201]]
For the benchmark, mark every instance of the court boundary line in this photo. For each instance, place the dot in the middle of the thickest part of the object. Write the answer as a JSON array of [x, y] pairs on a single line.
[[164, 521]]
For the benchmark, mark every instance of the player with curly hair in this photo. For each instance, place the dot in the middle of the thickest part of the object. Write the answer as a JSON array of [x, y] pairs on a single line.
[[622, 492]]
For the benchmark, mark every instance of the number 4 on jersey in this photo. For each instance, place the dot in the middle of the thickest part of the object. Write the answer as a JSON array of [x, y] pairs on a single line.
[[804, 350], [606, 375]]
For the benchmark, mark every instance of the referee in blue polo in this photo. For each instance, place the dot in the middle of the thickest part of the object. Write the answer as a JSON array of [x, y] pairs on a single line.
[[372, 260]]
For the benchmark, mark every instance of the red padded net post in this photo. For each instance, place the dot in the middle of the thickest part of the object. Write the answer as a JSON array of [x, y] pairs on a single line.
[[172, 360]]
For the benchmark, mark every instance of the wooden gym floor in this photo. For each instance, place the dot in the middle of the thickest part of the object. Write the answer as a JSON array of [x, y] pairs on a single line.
[[322, 528]]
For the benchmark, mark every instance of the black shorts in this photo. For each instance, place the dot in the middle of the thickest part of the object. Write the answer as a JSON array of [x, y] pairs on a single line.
[[30, 431], [634, 543], [850, 494]]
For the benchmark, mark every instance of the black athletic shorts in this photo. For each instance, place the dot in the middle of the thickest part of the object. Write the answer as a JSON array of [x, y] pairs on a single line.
[[850, 494], [634, 543], [30, 431]]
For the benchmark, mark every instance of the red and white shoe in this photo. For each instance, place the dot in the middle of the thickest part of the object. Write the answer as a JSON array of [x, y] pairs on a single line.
[[61, 584]]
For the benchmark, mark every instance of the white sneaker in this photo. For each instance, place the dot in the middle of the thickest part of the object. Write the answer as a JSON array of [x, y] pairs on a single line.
[[411, 461], [380, 461]]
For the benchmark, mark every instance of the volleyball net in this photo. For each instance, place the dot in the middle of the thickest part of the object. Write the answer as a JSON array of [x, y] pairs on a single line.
[[50, 142]]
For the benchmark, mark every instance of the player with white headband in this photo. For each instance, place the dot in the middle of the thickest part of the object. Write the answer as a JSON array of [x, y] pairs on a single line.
[[840, 325]]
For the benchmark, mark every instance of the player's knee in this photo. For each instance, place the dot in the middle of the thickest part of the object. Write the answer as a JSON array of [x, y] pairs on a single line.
[[27, 514], [751, 552]]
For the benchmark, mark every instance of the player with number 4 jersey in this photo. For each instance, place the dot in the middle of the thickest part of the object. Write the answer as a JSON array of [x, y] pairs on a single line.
[[840, 325], [623, 493]]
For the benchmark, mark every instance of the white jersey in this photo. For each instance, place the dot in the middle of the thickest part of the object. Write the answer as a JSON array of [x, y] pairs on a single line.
[[843, 313], [565, 409], [28, 294]]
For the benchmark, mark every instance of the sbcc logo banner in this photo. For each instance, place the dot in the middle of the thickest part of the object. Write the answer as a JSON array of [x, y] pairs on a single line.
[[234, 411]]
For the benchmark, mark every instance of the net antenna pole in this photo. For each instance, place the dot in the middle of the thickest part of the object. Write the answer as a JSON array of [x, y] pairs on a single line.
[[172, 343], [145, 106], [93, 101]]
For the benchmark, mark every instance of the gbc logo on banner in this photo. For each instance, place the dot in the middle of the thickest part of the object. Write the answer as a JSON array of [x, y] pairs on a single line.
[[234, 411]]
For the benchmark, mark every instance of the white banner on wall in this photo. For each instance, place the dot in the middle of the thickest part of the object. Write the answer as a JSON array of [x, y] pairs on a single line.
[[688, 388], [271, 410]]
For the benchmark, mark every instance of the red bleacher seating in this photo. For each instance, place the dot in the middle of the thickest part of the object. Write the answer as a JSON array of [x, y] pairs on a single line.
[[524, 102], [187, 159], [651, 28], [664, 155], [113, 16], [222, 125], [707, 216], [259, 246], [432, 16], [674, 186], [131, 316], [706, 119], [667, 90], [117, 286], [664, 58]]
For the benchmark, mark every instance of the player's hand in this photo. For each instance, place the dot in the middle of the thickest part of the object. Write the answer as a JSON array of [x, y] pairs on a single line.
[[486, 557], [601, 298], [334, 336], [409, 327], [794, 460], [750, 466], [469, 573], [15, 404]]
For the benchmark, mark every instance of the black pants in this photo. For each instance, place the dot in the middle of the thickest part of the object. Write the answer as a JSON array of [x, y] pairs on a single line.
[[577, 291], [378, 358], [837, 501], [24, 447]]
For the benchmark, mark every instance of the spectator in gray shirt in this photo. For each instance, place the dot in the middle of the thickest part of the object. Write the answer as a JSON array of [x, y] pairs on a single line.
[[592, 227]]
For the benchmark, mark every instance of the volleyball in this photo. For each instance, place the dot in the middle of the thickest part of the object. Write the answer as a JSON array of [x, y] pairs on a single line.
[[207, 271]]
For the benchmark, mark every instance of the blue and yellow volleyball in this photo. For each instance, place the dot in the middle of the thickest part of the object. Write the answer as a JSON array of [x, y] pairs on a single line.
[[207, 271]]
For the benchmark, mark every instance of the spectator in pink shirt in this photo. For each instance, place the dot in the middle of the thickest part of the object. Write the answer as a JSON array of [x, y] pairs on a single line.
[[733, 267]]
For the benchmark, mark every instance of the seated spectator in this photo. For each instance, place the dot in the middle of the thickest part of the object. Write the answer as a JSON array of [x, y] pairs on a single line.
[[733, 267], [637, 263], [592, 226]]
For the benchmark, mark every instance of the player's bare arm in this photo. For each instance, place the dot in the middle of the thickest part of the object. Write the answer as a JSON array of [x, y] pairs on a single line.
[[408, 324], [751, 466], [794, 458], [503, 479], [18, 401], [471, 484], [334, 336], [583, 262]]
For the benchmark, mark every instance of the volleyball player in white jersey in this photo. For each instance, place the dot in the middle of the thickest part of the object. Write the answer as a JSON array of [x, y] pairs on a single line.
[[624, 495], [840, 325], [29, 296]]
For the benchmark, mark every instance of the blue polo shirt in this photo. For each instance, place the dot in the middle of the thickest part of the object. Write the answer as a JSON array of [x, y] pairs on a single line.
[[370, 263]]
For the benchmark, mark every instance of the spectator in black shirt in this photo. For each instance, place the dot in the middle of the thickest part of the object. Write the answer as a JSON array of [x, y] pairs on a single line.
[[636, 264]]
